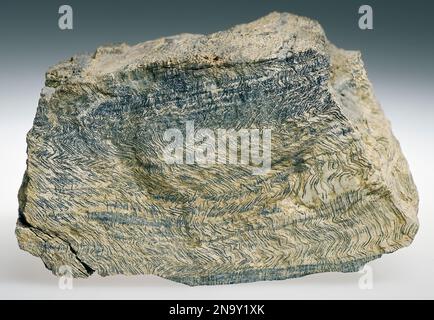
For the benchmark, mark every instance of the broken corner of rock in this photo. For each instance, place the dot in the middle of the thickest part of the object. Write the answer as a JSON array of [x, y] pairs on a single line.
[[99, 195]]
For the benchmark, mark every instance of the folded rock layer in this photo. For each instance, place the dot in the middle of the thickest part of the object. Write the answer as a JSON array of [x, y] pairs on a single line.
[[98, 195]]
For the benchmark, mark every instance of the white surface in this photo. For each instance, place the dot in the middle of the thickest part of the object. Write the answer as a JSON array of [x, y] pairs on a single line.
[[407, 273]]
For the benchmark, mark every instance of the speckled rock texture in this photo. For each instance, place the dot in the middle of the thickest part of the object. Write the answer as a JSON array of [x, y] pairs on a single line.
[[97, 195]]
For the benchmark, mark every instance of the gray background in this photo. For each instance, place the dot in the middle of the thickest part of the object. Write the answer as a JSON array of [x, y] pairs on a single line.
[[398, 55]]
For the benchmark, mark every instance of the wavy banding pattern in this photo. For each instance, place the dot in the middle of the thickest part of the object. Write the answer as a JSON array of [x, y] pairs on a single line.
[[98, 196]]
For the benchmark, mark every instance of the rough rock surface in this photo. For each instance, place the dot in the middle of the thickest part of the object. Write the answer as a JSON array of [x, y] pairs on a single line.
[[97, 195]]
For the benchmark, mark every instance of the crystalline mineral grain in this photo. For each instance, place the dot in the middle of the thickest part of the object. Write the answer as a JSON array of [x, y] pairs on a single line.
[[98, 195]]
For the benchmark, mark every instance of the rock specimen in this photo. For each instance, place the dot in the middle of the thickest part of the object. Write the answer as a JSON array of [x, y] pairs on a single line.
[[99, 196]]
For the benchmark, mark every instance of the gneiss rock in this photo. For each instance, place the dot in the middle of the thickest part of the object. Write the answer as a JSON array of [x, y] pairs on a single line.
[[102, 194]]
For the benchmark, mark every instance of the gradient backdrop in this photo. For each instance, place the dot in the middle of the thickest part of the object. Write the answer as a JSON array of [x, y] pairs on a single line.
[[398, 55]]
